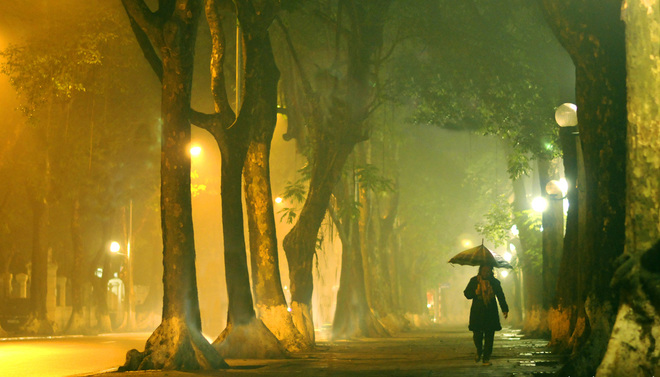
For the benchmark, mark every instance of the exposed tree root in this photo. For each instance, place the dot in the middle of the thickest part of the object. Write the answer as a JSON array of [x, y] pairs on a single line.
[[252, 340], [103, 325], [302, 319], [279, 321], [174, 346], [394, 323], [417, 321], [590, 338], [36, 326], [633, 348], [536, 323], [77, 325], [357, 326]]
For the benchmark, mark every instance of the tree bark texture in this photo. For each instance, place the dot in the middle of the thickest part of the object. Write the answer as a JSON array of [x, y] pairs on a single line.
[[266, 282], [593, 34], [245, 336], [38, 323], [553, 233], [178, 342], [564, 312], [632, 349], [76, 324], [353, 316], [530, 264], [333, 138]]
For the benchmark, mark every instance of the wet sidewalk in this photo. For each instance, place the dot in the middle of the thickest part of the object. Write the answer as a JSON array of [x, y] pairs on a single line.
[[436, 351]]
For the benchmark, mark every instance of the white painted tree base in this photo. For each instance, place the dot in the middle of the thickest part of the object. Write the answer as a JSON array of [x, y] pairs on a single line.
[[252, 340]]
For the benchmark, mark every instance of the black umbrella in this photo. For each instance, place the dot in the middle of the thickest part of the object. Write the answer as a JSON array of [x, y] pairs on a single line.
[[480, 256]]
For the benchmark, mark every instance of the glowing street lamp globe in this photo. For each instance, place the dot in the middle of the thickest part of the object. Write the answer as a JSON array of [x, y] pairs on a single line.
[[195, 151], [566, 115], [539, 204], [114, 247]]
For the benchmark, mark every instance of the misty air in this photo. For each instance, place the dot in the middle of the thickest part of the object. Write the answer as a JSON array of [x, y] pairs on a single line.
[[329, 188]]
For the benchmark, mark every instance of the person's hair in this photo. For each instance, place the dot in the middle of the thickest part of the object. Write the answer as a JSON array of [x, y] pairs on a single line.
[[485, 265]]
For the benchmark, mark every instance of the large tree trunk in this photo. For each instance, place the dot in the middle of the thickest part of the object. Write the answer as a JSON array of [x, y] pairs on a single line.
[[633, 348], [593, 35], [100, 286], [353, 316], [300, 243], [38, 323], [178, 342], [269, 297], [334, 132], [563, 315], [534, 321], [245, 336], [553, 233], [388, 310], [76, 324]]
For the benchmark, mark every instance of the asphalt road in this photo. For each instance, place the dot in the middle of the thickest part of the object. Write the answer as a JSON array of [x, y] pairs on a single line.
[[66, 356]]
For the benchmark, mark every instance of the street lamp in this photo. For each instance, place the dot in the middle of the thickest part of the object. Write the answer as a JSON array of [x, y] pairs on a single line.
[[195, 151], [114, 247], [539, 204], [566, 115]]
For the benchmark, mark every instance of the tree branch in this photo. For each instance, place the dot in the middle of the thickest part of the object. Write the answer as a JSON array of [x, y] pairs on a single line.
[[307, 87], [147, 48], [218, 87], [146, 20]]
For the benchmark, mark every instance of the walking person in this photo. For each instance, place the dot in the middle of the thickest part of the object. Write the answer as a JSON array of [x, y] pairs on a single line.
[[484, 317]]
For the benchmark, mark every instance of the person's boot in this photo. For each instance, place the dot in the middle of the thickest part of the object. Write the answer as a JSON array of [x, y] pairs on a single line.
[[486, 362], [477, 357]]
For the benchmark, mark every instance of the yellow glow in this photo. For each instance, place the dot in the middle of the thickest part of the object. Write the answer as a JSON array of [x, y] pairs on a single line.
[[539, 204], [504, 273], [466, 243], [114, 247], [195, 151], [278, 200]]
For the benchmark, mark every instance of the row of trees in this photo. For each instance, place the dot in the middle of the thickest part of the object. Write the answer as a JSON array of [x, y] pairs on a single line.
[[339, 70], [72, 159]]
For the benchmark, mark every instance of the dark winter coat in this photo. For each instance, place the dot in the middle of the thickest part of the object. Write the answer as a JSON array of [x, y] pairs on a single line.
[[485, 317]]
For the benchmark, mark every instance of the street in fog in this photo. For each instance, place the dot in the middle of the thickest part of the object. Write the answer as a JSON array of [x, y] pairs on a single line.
[[66, 355]]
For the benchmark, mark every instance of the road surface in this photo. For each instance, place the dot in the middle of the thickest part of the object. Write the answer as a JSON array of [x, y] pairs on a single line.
[[66, 356]]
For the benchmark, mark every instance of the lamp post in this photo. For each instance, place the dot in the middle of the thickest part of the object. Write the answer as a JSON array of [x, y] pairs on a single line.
[[566, 117], [115, 248]]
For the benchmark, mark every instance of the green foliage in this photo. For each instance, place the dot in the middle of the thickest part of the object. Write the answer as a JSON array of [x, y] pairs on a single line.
[[532, 222], [83, 93], [499, 220], [369, 178], [64, 61], [196, 188], [294, 193], [484, 68]]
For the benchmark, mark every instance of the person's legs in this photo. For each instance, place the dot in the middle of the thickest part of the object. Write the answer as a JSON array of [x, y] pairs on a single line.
[[478, 337], [488, 345]]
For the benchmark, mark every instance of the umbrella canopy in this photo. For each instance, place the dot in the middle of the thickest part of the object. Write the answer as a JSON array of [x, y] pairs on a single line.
[[480, 256]]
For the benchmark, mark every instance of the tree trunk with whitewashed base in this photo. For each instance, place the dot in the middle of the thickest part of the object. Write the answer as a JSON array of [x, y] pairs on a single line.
[[633, 348]]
